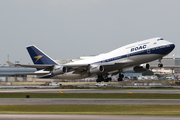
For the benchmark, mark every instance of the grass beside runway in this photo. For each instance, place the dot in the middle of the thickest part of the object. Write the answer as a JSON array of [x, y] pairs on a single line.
[[92, 95], [159, 110]]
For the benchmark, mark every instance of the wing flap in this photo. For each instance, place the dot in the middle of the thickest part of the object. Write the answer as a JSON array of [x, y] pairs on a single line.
[[126, 61]]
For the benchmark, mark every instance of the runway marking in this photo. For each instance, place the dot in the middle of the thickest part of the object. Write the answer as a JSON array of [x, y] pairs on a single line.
[[129, 92], [60, 91]]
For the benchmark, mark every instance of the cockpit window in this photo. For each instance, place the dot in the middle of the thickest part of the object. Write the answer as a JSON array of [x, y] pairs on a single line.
[[160, 39]]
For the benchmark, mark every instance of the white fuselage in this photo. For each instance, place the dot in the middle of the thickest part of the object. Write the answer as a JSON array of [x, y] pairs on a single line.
[[139, 52]]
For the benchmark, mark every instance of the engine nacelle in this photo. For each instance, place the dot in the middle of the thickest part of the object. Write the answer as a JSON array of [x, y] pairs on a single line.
[[141, 68], [59, 70], [96, 69]]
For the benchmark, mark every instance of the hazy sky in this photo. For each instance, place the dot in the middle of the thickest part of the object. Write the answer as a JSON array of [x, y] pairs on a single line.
[[66, 29]]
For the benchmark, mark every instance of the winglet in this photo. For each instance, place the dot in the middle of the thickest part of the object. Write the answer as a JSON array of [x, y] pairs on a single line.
[[10, 63]]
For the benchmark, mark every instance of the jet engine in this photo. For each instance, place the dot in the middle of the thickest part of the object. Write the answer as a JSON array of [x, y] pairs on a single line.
[[141, 68], [96, 69], [59, 70]]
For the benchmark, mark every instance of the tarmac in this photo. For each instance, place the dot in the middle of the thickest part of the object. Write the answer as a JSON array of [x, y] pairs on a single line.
[[52, 101], [82, 117], [57, 101], [24, 90]]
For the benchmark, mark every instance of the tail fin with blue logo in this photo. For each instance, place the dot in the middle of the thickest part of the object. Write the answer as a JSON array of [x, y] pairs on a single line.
[[39, 57]]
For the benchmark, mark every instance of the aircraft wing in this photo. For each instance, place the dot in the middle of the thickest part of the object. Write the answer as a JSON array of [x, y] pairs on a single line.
[[73, 66], [79, 68], [82, 68], [126, 61]]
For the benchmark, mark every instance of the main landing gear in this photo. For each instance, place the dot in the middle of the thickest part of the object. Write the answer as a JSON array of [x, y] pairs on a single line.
[[121, 76], [160, 65], [105, 79]]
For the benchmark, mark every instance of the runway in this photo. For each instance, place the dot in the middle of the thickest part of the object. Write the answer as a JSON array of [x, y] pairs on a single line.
[[87, 91], [82, 117], [59, 101], [52, 101]]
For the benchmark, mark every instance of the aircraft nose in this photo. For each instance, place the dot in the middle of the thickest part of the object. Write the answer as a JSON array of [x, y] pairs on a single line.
[[171, 47]]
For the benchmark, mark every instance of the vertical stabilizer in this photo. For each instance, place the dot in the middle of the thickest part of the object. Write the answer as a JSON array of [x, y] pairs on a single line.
[[39, 57]]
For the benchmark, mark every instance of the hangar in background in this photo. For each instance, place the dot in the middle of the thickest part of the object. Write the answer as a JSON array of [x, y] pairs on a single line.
[[7, 73], [171, 65]]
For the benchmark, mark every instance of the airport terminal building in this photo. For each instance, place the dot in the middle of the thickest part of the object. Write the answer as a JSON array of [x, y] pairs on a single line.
[[7, 73], [171, 65]]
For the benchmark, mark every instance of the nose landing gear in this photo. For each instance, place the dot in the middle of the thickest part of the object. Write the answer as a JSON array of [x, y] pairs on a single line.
[[160, 65]]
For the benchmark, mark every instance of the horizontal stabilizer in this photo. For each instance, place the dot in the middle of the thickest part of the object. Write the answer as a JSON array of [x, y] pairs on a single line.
[[30, 66], [10, 63], [30, 74]]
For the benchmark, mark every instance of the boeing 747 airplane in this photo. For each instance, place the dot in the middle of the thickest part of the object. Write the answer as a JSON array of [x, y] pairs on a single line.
[[136, 55]]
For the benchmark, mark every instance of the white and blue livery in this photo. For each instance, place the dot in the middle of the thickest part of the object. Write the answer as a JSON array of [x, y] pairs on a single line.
[[136, 55]]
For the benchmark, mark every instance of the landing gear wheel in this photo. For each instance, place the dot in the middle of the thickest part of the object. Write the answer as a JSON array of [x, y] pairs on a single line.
[[121, 76], [160, 65], [100, 78], [120, 79], [107, 79]]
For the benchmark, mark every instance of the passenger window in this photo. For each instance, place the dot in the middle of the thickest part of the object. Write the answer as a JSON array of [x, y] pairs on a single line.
[[160, 39]]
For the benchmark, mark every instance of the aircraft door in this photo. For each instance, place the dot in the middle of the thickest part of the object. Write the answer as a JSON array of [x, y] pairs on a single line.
[[148, 48], [148, 51]]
